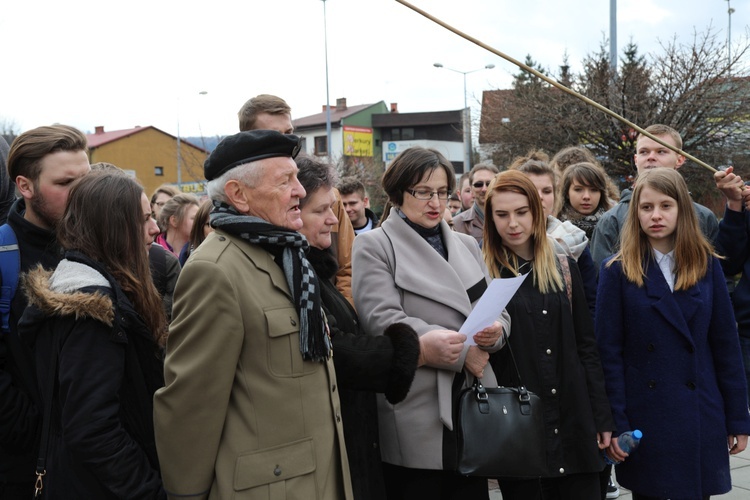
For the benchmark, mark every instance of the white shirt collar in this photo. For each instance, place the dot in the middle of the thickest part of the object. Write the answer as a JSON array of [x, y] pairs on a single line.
[[666, 265]]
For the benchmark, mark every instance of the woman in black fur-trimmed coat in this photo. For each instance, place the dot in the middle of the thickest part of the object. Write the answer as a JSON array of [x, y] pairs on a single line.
[[94, 324], [364, 364]]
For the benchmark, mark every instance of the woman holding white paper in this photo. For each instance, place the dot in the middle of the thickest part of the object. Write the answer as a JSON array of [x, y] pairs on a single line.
[[414, 269], [554, 345]]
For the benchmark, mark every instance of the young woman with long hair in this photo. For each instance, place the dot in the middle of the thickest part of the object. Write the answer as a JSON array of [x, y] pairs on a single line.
[[96, 326], [669, 348], [555, 349], [201, 228], [569, 239], [176, 220], [584, 195]]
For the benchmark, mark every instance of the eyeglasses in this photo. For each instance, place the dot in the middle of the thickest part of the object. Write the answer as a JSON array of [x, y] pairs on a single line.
[[480, 184], [425, 195]]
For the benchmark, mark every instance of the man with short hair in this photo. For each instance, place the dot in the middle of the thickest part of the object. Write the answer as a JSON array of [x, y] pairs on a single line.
[[357, 205], [649, 154], [471, 221], [251, 403], [454, 204], [269, 112], [44, 163], [466, 194]]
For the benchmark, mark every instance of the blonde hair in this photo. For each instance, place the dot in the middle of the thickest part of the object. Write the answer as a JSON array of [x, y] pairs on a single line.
[[692, 250], [177, 205], [546, 274]]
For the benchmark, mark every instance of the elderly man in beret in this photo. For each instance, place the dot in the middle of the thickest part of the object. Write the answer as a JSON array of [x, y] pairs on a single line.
[[251, 408]]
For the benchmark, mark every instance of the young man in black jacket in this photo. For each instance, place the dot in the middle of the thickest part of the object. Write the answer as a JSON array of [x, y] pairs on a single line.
[[43, 162]]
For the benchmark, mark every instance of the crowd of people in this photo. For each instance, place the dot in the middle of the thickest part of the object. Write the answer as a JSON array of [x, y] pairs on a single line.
[[282, 340]]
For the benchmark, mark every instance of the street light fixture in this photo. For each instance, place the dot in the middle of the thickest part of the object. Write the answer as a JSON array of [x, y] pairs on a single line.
[[466, 116], [328, 100]]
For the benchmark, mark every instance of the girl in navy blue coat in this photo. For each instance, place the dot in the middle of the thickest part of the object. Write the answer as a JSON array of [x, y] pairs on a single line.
[[669, 348]]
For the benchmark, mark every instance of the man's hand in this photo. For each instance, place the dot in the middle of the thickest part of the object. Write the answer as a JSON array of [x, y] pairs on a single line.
[[732, 186], [440, 347]]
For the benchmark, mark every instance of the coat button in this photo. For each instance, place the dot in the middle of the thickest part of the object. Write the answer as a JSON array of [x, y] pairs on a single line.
[[291, 320], [691, 386], [544, 311], [549, 351], [333, 389], [651, 384], [221, 238], [553, 391], [562, 470], [277, 471], [651, 348], [556, 431], [338, 418]]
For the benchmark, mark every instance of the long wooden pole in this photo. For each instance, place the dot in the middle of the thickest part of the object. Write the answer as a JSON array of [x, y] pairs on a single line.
[[556, 84]]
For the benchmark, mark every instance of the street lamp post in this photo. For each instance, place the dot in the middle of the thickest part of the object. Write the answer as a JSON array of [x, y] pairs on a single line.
[[730, 11], [179, 141], [466, 115], [328, 102]]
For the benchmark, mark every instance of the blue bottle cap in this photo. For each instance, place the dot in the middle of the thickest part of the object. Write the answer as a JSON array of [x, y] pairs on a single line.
[[637, 434]]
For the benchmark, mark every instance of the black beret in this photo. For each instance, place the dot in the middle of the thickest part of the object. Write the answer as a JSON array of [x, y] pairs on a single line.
[[248, 146]]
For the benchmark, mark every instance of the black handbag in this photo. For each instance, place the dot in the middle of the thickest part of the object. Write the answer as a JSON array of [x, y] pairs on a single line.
[[500, 431]]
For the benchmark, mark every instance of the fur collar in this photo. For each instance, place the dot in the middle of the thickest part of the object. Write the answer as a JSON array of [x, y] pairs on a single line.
[[59, 293]]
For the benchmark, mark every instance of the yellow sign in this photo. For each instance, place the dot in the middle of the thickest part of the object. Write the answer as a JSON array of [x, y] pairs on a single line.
[[357, 141]]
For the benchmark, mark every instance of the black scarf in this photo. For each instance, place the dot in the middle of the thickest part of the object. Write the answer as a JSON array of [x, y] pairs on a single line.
[[314, 343], [585, 222], [432, 235]]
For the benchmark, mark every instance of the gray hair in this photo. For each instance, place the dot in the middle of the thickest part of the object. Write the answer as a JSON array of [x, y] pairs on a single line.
[[314, 174], [247, 174]]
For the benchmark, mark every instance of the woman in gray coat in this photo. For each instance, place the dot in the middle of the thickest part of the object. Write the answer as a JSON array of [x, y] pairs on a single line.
[[415, 270]]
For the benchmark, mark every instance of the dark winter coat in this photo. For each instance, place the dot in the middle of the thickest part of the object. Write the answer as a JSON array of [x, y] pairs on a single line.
[[364, 365], [19, 404], [733, 243], [108, 368], [555, 348], [673, 370]]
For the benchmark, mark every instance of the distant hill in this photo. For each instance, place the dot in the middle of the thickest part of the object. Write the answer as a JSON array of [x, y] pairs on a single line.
[[208, 143]]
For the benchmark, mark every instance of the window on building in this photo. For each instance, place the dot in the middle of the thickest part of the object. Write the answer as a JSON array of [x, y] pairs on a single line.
[[399, 134], [321, 145], [158, 171]]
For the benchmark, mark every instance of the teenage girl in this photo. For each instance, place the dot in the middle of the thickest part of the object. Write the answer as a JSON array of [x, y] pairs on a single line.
[[669, 348], [556, 352], [584, 193]]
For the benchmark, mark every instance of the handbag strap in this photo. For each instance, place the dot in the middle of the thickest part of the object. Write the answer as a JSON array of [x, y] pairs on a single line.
[[523, 391]]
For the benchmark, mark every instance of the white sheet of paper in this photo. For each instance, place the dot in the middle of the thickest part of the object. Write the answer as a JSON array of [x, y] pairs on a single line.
[[490, 305]]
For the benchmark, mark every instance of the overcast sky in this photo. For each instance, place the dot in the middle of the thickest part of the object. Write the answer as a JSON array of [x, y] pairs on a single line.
[[144, 62]]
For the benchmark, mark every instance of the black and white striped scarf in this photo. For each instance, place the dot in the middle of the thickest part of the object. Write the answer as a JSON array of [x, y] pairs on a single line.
[[314, 343]]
